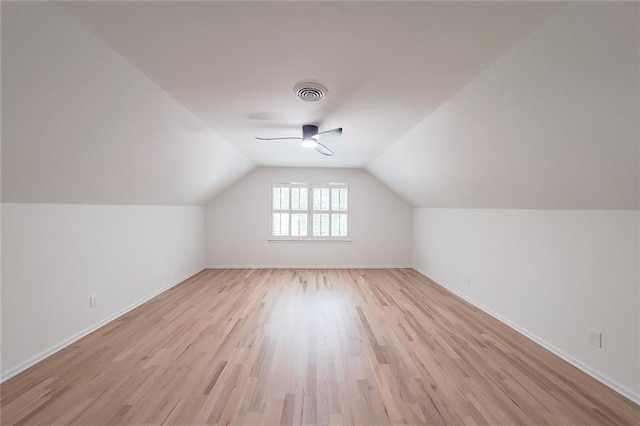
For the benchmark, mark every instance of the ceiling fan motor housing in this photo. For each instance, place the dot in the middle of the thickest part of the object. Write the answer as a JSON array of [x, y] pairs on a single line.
[[309, 131]]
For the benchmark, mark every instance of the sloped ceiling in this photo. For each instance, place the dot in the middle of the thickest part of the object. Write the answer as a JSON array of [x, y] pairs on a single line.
[[387, 65], [553, 124], [452, 104], [159, 102], [82, 125]]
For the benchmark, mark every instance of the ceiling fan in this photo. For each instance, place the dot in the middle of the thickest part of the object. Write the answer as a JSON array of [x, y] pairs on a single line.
[[311, 138]]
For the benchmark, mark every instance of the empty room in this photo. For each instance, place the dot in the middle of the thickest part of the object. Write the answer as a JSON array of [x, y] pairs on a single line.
[[320, 212]]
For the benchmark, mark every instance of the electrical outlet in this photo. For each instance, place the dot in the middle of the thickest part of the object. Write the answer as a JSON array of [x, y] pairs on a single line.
[[468, 280], [595, 338], [93, 301]]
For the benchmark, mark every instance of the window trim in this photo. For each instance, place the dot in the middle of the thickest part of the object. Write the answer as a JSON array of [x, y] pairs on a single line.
[[309, 211]]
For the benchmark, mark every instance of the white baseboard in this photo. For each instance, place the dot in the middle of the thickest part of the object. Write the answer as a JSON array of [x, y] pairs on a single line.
[[602, 378], [308, 267], [66, 342]]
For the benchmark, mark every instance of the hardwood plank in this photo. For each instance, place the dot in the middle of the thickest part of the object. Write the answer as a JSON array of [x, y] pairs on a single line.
[[308, 346]]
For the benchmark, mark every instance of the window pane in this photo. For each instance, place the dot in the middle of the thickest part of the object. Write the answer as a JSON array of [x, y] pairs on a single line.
[[280, 225], [299, 198], [295, 205], [280, 198], [339, 199], [339, 225], [299, 225], [321, 225], [321, 198]]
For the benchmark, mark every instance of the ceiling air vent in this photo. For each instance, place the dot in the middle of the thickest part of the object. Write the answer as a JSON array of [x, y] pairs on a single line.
[[310, 91]]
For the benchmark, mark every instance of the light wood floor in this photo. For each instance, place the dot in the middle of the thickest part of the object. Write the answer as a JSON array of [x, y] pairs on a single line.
[[285, 347]]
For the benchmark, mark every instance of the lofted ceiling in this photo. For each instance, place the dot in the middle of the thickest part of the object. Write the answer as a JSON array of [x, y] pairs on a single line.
[[451, 104], [552, 124], [387, 65]]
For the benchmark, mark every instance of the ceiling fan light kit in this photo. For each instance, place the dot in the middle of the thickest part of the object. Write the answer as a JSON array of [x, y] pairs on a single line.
[[309, 143], [311, 91], [311, 138]]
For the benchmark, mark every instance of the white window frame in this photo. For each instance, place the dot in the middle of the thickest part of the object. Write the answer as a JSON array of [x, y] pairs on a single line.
[[310, 212]]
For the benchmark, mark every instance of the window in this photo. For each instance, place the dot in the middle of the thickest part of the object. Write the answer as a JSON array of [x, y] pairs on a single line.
[[309, 212]]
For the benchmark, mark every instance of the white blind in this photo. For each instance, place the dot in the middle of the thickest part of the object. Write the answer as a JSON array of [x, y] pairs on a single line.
[[301, 211], [280, 198], [320, 225], [299, 198], [280, 224], [339, 199], [339, 225], [321, 198], [299, 224]]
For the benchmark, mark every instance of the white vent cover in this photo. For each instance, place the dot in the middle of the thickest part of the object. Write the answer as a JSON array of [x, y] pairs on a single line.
[[309, 91]]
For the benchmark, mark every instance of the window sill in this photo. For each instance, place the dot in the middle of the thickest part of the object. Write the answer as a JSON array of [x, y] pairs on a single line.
[[312, 241]]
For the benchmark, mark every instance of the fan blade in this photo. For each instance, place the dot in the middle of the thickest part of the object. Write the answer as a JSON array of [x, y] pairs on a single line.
[[323, 150], [330, 133], [277, 139]]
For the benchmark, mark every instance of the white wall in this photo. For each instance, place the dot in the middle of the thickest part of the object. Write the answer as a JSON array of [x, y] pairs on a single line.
[[55, 256], [238, 223], [552, 274]]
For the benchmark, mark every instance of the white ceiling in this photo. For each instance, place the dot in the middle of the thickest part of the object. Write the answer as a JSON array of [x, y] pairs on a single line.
[[81, 125], [451, 104], [387, 65], [552, 124]]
